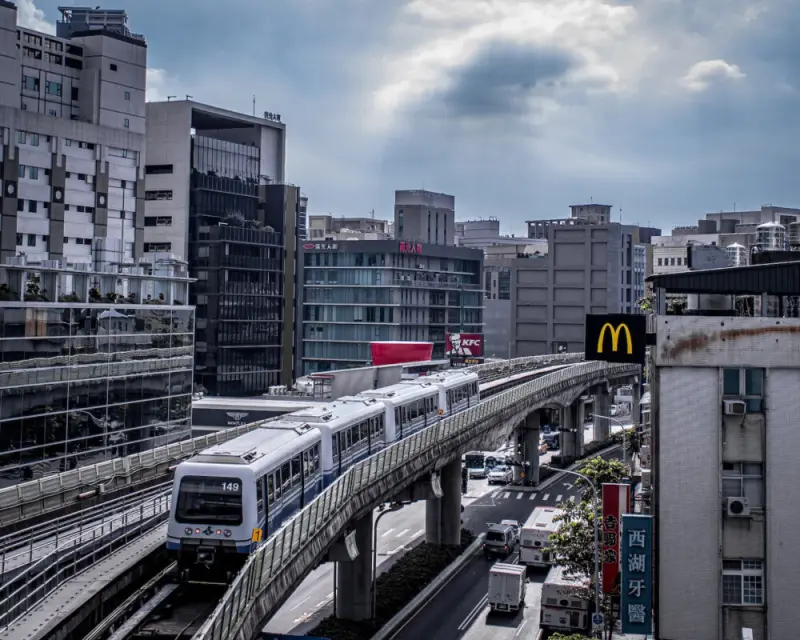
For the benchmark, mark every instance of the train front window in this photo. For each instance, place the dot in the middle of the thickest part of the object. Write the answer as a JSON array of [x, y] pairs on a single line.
[[210, 501]]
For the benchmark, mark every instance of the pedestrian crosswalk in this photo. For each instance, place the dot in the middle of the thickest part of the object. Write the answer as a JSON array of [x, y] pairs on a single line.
[[542, 497]]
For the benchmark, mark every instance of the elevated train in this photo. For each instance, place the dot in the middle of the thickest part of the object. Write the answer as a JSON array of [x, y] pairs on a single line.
[[231, 496]]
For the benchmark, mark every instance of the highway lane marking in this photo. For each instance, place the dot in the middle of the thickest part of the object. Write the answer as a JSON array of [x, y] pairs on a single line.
[[521, 627], [383, 535], [568, 485], [402, 533], [300, 603], [533, 496], [546, 497], [473, 615], [506, 494], [572, 499], [519, 495], [558, 498], [417, 534]]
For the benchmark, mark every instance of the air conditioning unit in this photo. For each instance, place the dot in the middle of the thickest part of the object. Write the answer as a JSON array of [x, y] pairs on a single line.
[[734, 407], [737, 507]]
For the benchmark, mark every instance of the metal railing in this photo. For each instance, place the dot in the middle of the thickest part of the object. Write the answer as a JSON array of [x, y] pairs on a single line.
[[270, 564], [66, 559], [101, 472], [22, 548]]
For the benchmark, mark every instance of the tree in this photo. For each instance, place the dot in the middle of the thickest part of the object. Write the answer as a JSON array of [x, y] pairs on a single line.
[[600, 472], [571, 636]]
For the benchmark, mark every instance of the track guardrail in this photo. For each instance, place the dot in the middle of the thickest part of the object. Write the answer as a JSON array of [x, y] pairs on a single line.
[[306, 536]]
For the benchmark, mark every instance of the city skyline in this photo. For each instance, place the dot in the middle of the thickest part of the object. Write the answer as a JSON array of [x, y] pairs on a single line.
[[661, 112]]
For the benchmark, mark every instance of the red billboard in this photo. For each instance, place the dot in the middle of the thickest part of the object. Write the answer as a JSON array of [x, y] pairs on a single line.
[[616, 502], [400, 352], [464, 345]]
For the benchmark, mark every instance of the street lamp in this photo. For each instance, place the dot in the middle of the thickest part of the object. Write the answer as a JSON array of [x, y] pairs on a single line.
[[622, 426], [394, 506], [597, 580]]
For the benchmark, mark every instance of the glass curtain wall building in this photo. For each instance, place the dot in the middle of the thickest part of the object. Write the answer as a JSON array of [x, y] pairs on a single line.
[[357, 292], [102, 371], [238, 262]]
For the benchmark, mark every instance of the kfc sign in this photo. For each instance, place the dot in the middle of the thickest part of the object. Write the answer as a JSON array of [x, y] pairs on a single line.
[[464, 344], [411, 247], [324, 246]]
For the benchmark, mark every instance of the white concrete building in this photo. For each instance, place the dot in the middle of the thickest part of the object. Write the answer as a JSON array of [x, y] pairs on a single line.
[[725, 467], [72, 121]]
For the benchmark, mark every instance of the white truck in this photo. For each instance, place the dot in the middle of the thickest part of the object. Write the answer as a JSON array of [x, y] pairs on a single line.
[[566, 602], [507, 584], [534, 537]]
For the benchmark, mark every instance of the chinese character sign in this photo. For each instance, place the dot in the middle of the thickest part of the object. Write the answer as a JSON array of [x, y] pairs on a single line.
[[637, 574], [616, 501]]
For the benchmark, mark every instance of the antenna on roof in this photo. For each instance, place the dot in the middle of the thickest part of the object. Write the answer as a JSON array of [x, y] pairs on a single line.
[[254, 105]]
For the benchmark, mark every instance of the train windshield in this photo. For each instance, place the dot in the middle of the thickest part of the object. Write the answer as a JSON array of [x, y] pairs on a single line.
[[210, 501]]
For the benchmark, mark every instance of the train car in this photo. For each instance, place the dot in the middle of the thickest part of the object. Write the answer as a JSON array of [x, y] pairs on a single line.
[[409, 407], [352, 429], [458, 389], [232, 495]]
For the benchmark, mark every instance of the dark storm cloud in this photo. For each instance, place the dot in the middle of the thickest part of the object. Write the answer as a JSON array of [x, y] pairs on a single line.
[[500, 79]]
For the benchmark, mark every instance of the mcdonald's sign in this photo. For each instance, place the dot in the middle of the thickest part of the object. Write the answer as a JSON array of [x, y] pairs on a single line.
[[616, 337]]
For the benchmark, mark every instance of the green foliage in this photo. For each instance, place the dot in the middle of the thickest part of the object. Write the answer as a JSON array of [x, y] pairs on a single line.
[[573, 543], [572, 636], [396, 588], [645, 304], [601, 471]]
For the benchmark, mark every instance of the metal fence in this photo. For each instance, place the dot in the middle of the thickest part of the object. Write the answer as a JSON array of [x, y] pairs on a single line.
[[79, 551], [34, 490], [266, 565]]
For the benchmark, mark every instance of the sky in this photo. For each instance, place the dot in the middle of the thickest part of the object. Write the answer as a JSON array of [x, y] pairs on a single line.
[[665, 109]]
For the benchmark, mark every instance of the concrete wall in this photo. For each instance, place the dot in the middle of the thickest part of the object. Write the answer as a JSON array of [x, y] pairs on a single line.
[[498, 341]]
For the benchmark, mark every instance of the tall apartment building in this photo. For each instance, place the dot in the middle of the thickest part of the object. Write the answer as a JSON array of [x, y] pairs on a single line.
[[357, 292], [424, 216], [72, 120], [330, 227], [215, 197], [589, 268], [302, 218]]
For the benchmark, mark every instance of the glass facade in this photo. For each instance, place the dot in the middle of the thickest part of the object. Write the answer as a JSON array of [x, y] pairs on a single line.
[[239, 265], [80, 384], [354, 297]]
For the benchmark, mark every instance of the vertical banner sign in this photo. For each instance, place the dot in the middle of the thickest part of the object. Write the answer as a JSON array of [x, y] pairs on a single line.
[[637, 574], [616, 502]]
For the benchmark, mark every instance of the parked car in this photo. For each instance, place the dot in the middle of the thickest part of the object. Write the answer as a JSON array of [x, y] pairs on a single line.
[[501, 474]]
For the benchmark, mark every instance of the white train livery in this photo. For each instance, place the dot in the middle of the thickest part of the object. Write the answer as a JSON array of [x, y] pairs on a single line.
[[229, 498]]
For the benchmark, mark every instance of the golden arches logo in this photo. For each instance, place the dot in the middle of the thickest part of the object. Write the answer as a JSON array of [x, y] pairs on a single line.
[[615, 332]]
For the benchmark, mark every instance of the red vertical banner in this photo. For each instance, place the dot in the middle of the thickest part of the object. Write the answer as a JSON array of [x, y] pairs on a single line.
[[616, 502]]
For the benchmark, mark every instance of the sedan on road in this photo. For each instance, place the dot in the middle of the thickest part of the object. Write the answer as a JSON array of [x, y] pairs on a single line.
[[501, 475]]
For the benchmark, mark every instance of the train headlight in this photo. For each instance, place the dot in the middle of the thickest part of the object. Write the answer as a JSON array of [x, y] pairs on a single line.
[[227, 533], [188, 531]]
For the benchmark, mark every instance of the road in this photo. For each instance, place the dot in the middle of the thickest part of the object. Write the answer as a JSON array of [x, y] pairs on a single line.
[[401, 530]]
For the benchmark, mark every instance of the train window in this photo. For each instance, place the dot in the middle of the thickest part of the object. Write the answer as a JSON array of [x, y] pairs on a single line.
[[286, 476], [315, 459], [335, 446], [260, 494], [270, 488], [278, 485], [306, 464], [296, 470], [209, 500], [397, 416]]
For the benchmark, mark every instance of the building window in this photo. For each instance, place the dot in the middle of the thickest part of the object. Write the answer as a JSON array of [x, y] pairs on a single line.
[[165, 194], [158, 221], [52, 88], [20, 205], [747, 384], [153, 247], [126, 123], [31, 240], [742, 582], [29, 83], [31, 206], [743, 480], [157, 169], [112, 66], [127, 95]]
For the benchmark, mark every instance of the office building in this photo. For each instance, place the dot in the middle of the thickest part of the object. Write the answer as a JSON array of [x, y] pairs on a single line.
[[302, 218], [75, 19], [72, 113], [97, 363], [725, 444], [480, 234], [424, 216], [361, 291], [216, 197]]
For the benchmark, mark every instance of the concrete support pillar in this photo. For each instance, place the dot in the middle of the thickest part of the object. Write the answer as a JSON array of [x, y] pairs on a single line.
[[572, 430], [637, 397], [530, 447], [602, 403], [354, 579], [516, 453], [443, 515]]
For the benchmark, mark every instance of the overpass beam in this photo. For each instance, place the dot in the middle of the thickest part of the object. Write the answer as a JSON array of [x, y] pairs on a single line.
[[602, 403], [354, 579], [443, 515]]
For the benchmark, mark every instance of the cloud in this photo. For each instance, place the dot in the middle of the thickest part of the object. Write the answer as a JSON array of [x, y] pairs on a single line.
[[159, 85], [30, 17], [702, 74]]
